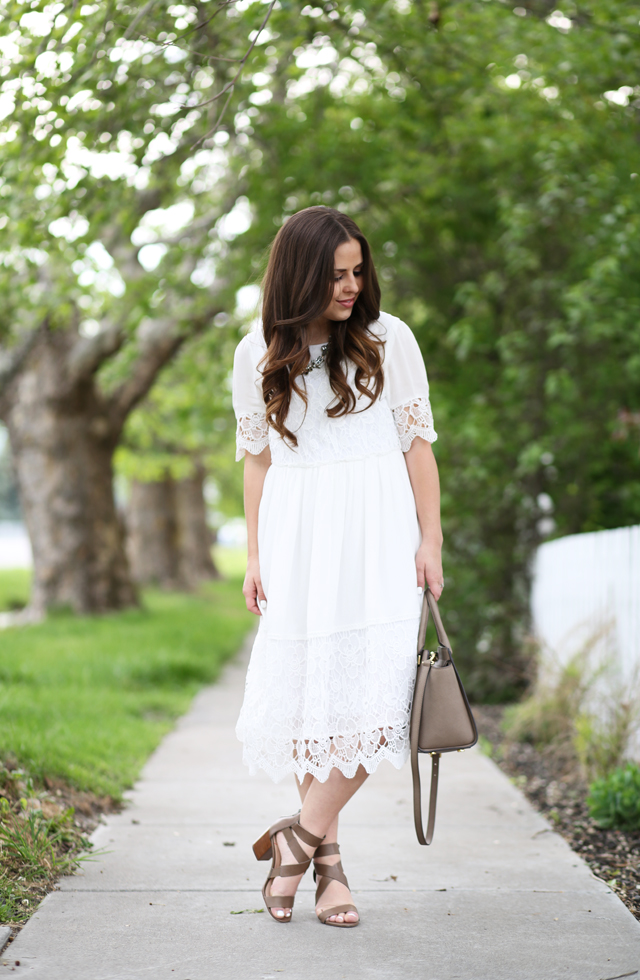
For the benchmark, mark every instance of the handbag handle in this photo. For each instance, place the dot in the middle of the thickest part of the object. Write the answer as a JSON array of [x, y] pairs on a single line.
[[429, 604]]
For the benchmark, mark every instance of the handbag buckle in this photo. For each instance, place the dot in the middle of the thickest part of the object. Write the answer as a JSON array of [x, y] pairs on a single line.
[[425, 655]]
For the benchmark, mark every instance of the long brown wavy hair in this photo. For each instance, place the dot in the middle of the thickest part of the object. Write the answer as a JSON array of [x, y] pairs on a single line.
[[297, 288]]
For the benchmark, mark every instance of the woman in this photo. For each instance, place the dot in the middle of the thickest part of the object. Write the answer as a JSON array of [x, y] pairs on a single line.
[[343, 517]]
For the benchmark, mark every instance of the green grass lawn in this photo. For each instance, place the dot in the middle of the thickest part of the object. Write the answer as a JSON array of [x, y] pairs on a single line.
[[231, 562], [85, 700], [14, 588], [15, 582]]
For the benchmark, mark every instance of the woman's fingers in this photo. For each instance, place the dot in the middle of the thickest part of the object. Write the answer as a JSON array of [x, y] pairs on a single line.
[[434, 584], [252, 605], [250, 592], [428, 575], [254, 595], [434, 579]]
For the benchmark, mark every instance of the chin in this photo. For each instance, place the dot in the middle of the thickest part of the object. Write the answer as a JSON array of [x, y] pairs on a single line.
[[342, 314]]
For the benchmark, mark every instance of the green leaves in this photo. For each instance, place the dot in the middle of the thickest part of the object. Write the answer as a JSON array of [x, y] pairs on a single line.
[[615, 800], [491, 161], [104, 105], [501, 177]]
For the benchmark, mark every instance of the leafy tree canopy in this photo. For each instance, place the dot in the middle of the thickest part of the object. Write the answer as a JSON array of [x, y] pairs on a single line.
[[490, 153], [488, 150]]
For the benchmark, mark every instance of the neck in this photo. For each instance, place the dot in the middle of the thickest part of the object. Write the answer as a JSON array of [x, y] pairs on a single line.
[[318, 331]]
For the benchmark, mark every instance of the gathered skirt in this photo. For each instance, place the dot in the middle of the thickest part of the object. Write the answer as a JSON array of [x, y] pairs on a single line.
[[333, 665]]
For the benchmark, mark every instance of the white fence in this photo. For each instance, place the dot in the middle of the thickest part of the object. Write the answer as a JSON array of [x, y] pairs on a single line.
[[587, 586]]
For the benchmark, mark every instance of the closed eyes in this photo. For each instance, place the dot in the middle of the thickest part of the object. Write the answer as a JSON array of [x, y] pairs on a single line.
[[356, 272]]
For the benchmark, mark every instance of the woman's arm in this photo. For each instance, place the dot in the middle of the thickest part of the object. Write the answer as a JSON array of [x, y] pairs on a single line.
[[423, 474], [255, 470]]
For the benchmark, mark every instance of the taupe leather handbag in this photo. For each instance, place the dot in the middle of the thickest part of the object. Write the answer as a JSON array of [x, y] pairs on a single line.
[[441, 719]]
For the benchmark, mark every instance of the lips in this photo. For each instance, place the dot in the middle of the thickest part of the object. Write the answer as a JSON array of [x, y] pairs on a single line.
[[346, 302]]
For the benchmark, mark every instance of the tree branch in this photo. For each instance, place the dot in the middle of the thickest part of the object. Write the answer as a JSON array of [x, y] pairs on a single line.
[[230, 86], [159, 343], [89, 353], [12, 361]]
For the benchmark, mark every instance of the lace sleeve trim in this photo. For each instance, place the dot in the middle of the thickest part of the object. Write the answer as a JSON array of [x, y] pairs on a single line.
[[414, 419], [252, 435]]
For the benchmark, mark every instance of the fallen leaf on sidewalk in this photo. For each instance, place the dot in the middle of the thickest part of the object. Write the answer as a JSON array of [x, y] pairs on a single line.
[[242, 911]]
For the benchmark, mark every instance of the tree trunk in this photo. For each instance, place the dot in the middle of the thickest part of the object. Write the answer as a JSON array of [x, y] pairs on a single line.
[[62, 441], [153, 534], [169, 540], [195, 537]]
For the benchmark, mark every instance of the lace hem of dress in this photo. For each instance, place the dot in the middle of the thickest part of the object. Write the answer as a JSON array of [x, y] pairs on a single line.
[[252, 435], [337, 701], [395, 751], [414, 419]]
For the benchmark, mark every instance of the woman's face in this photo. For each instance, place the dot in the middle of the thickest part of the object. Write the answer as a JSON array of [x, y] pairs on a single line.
[[347, 280]]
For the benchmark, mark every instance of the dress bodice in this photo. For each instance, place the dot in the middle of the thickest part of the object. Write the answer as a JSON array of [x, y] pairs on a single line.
[[370, 430], [401, 413]]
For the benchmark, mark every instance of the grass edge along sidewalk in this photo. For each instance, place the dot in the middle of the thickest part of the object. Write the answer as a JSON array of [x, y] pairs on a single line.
[[83, 703]]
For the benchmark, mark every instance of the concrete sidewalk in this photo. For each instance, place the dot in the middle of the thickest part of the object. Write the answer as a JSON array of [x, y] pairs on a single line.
[[498, 896]]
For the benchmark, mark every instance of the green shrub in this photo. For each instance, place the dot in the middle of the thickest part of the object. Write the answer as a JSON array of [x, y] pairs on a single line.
[[579, 712], [601, 741], [614, 801], [548, 716]]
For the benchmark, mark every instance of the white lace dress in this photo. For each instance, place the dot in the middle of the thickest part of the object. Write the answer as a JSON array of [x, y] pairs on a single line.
[[332, 668]]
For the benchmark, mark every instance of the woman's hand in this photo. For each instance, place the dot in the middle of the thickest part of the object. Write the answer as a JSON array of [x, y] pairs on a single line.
[[252, 587], [429, 568]]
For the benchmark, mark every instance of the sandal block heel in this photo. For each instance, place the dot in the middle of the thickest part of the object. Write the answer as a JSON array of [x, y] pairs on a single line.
[[262, 847]]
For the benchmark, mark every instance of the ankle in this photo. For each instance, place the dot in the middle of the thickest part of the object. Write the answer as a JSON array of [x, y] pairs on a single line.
[[309, 835], [286, 848]]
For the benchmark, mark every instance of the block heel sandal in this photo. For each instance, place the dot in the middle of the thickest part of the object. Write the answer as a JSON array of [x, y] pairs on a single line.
[[266, 847], [327, 872]]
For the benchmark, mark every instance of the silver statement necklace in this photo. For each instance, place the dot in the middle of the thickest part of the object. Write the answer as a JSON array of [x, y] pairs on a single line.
[[319, 360]]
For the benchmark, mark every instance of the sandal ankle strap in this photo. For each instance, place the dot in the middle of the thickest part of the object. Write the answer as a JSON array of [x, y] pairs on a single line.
[[306, 835], [295, 833]]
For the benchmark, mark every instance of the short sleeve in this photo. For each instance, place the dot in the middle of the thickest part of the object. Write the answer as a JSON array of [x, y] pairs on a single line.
[[406, 384], [252, 432]]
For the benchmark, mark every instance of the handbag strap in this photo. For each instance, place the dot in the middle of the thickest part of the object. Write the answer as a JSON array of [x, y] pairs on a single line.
[[423, 674], [429, 605]]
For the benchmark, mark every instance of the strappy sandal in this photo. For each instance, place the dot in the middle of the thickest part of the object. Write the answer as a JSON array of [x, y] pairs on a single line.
[[267, 847], [327, 872]]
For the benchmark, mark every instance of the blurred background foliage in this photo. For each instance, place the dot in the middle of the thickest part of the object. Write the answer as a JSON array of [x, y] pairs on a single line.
[[488, 150]]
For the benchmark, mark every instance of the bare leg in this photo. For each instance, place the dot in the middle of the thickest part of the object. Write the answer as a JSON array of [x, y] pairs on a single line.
[[321, 805], [331, 836]]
